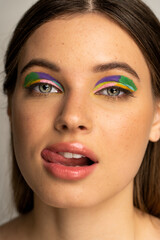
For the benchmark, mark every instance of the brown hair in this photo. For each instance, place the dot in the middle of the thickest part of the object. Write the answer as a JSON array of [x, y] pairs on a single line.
[[143, 26]]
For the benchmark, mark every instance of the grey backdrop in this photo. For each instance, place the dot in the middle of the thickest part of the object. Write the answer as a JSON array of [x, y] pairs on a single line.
[[10, 13]]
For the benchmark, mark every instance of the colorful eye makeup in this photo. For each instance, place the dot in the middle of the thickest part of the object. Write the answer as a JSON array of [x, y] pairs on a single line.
[[112, 84], [39, 77], [115, 81]]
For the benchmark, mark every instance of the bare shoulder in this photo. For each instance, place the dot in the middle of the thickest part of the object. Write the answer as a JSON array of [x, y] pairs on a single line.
[[148, 226], [10, 230], [155, 226], [15, 229], [7, 230]]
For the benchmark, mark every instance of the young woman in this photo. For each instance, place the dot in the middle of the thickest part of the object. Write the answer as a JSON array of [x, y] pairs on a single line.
[[83, 86]]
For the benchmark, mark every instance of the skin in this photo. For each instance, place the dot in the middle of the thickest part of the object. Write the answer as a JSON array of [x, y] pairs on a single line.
[[117, 130]]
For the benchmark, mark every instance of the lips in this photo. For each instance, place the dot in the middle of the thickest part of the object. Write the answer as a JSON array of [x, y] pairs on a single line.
[[69, 160], [55, 157]]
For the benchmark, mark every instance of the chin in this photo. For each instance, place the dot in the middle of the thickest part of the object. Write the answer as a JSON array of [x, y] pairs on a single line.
[[66, 200]]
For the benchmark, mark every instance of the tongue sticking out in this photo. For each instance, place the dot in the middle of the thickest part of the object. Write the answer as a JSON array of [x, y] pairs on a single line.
[[58, 158]]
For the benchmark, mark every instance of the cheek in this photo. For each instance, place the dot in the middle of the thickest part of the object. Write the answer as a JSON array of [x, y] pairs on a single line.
[[32, 123], [31, 118], [27, 124], [122, 142]]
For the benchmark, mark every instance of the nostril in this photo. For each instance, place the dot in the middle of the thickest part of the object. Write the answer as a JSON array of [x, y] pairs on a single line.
[[82, 127], [69, 127], [64, 127]]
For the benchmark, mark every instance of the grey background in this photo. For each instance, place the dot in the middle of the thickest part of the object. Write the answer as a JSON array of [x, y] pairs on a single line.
[[10, 13]]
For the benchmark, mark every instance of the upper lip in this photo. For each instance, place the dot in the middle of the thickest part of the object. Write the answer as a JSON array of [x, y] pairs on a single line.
[[75, 147]]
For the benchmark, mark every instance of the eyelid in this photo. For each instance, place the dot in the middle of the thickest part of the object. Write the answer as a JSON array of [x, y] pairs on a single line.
[[113, 84], [123, 94], [36, 82], [115, 80], [41, 77]]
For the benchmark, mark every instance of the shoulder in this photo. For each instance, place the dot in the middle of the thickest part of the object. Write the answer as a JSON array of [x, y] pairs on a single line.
[[9, 230], [15, 229], [148, 226], [154, 227]]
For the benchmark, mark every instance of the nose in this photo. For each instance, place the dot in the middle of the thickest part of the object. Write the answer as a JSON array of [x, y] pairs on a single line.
[[74, 115]]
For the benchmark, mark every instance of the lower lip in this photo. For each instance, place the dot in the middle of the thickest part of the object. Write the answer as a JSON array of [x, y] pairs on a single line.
[[67, 172]]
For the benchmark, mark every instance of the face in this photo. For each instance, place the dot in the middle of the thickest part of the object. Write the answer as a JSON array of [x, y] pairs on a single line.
[[82, 80]]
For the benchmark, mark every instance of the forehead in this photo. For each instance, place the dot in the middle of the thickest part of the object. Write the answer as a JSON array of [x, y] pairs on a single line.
[[80, 41]]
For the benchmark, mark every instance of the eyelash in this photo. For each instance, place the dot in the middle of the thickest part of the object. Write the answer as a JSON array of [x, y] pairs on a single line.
[[32, 90], [125, 93]]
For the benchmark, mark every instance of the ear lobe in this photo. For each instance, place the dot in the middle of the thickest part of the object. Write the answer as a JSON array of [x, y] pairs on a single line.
[[155, 130]]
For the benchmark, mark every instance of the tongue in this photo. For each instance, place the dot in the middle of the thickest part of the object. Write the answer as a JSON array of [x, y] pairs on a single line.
[[54, 157], [74, 161]]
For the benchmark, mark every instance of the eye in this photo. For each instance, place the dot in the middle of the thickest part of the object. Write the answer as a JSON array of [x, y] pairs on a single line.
[[46, 88], [113, 91], [43, 88]]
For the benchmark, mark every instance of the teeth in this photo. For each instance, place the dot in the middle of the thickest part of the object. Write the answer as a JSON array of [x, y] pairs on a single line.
[[70, 155], [77, 155]]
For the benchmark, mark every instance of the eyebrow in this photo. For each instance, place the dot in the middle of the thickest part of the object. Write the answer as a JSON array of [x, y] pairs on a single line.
[[115, 65], [41, 63], [98, 68]]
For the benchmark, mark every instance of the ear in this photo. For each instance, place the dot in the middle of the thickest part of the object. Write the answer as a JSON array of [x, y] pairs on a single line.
[[155, 130]]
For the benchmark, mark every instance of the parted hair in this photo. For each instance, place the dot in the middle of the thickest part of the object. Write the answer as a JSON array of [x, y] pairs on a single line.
[[137, 19]]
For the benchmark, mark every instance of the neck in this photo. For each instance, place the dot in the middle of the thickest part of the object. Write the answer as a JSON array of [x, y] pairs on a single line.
[[111, 219]]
